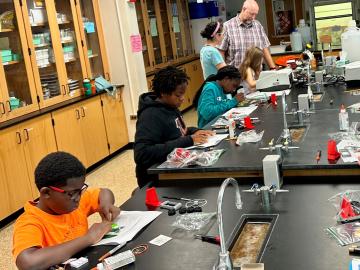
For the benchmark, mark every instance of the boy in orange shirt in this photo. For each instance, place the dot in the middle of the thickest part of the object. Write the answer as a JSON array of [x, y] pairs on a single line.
[[55, 227]]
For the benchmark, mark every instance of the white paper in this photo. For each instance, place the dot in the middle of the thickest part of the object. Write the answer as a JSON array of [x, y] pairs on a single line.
[[351, 146], [266, 95], [160, 240], [212, 141], [240, 112], [130, 223]]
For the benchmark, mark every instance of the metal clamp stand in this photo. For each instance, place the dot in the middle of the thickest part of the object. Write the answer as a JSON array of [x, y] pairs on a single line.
[[279, 148], [300, 115], [266, 193]]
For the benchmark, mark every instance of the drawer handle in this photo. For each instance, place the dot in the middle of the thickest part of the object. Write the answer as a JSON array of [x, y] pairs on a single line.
[[64, 89], [77, 114], [18, 136], [9, 105], [2, 108], [26, 134], [82, 111]]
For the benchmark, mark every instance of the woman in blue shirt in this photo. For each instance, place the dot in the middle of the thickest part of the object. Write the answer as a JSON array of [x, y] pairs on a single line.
[[210, 57], [211, 99]]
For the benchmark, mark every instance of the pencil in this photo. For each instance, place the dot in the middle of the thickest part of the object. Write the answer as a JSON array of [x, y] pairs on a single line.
[[110, 252]]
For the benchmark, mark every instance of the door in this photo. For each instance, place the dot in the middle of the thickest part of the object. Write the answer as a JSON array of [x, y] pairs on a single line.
[[16, 79], [93, 39], [44, 41], [72, 51], [38, 140], [167, 37], [13, 166], [144, 31], [67, 126], [177, 29], [93, 130], [184, 18], [115, 122]]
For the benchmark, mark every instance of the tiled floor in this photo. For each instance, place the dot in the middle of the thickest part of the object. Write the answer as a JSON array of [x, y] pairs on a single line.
[[118, 174]]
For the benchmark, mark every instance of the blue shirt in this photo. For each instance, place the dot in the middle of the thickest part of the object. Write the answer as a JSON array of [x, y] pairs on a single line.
[[209, 58], [212, 103]]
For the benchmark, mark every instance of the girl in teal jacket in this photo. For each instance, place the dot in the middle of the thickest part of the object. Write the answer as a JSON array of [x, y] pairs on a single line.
[[211, 97]]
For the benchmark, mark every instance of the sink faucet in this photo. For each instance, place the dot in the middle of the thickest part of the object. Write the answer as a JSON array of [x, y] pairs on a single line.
[[224, 262]]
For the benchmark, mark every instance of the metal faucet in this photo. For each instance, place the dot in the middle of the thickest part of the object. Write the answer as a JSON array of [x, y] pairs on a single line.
[[224, 262]]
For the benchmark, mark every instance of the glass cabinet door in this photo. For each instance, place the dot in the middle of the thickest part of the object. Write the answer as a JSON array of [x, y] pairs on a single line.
[[177, 28], [17, 83], [44, 41], [143, 31], [167, 33], [154, 31], [66, 18], [94, 48], [185, 19]]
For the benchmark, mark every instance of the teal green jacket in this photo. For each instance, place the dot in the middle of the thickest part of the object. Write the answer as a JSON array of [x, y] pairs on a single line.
[[212, 103]]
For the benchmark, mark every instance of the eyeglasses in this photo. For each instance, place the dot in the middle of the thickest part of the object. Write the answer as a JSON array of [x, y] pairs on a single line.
[[73, 193]]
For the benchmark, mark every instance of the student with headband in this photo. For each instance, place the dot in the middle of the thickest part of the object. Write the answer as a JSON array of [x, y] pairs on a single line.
[[210, 57]]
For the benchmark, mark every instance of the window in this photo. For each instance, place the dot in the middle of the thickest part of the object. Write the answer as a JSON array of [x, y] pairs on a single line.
[[332, 18]]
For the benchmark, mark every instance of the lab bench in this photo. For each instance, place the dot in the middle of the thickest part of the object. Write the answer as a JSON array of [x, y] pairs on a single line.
[[298, 240], [246, 160]]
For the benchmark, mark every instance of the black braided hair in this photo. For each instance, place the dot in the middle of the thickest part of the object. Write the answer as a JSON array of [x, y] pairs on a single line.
[[229, 72], [167, 79]]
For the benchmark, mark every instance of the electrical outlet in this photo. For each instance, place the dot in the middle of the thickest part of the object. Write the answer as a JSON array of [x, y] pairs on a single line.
[[133, 117]]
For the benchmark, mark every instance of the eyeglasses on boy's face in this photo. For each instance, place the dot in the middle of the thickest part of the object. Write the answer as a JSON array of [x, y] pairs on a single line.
[[73, 194]]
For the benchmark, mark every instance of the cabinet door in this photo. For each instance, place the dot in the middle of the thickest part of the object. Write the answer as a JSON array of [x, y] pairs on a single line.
[[167, 37], [43, 37], [38, 140], [144, 31], [184, 18], [153, 22], [17, 82], [194, 71], [177, 29], [91, 31], [67, 126], [149, 82], [73, 53], [93, 131], [13, 165], [115, 122], [5, 209]]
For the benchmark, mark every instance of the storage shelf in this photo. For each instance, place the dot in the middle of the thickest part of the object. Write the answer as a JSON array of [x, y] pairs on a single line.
[[71, 60], [93, 56], [42, 45], [10, 63], [45, 66], [38, 24], [66, 22], [67, 41], [6, 30]]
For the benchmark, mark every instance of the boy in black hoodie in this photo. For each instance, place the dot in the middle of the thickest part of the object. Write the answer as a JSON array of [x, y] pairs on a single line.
[[160, 127]]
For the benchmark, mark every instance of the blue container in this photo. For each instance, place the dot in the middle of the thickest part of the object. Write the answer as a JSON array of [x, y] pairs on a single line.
[[212, 8], [198, 10]]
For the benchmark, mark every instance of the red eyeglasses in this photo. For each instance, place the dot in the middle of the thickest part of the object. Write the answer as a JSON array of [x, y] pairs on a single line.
[[73, 193]]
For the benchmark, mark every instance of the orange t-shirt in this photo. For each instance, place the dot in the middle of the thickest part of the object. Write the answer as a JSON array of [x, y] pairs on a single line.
[[36, 228]]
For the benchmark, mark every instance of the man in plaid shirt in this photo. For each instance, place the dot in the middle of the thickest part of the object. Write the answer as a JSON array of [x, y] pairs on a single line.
[[243, 32]]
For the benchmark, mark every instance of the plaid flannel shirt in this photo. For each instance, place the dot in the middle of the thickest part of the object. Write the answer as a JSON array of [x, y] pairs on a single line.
[[238, 37]]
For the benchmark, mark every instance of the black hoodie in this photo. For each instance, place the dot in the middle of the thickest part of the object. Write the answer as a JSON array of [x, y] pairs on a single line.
[[159, 130]]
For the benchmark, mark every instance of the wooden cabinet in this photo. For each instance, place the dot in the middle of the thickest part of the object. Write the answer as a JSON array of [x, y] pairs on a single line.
[[194, 71], [115, 121], [89, 21], [164, 26], [47, 49], [17, 88], [149, 82], [21, 148], [80, 130]]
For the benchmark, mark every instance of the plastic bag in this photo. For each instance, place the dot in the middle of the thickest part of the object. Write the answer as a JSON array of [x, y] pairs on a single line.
[[181, 157], [339, 136], [193, 221], [347, 205], [345, 234], [249, 137]]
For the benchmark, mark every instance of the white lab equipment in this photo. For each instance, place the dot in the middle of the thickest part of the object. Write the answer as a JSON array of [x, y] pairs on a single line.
[[305, 32], [274, 80], [296, 41], [350, 41]]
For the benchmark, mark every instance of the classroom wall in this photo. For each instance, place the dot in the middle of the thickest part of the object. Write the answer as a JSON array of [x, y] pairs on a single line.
[[233, 6], [126, 67]]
